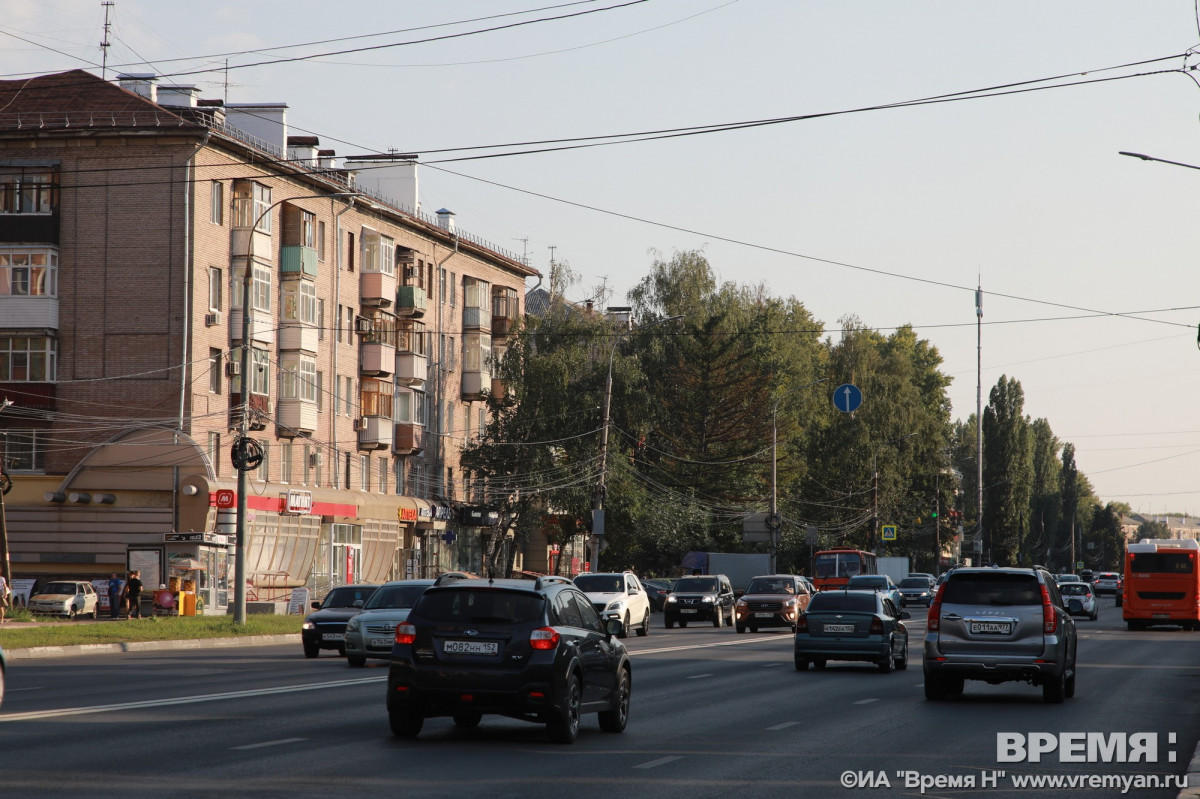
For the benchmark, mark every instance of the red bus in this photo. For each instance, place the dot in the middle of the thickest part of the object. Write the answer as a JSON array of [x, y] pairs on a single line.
[[1162, 584], [832, 568]]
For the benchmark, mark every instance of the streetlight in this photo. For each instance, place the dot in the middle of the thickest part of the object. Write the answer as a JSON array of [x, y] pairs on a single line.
[[240, 447], [598, 501], [1160, 160], [773, 520]]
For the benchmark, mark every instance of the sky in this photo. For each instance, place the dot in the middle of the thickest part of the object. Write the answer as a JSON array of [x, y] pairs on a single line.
[[872, 204]]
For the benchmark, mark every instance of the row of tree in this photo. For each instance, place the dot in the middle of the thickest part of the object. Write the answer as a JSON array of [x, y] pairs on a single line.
[[717, 381]]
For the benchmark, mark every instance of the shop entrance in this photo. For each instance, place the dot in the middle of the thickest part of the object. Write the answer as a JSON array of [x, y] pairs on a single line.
[[347, 553]]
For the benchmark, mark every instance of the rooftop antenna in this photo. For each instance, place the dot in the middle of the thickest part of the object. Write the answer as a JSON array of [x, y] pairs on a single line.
[[108, 4], [525, 250]]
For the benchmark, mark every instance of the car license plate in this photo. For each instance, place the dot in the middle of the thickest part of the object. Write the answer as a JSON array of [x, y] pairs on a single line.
[[470, 647], [991, 627], [333, 637], [838, 628], [764, 615], [380, 643], [688, 610], [1160, 615]]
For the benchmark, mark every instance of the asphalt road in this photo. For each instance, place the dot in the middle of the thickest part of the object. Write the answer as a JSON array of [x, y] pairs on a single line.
[[714, 714]]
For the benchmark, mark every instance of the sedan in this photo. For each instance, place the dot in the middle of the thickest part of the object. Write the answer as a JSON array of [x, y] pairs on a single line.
[[880, 583], [657, 591], [70, 598], [1107, 582], [325, 628], [371, 633], [918, 590], [852, 625], [1080, 599]]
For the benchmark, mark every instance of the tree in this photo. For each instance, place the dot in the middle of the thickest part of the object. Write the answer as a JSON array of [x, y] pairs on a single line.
[[1046, 499], [1153, 529], [1007, 471]]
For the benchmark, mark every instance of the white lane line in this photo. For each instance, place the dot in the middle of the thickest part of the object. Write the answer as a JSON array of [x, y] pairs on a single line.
[[185, 700], [686, 647], [660, 762], [699, 676], [865, 701], [771, 665], [280, 742], [782, 726]]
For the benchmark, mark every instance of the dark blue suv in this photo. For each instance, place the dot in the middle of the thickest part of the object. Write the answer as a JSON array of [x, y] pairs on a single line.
[[535, 651]]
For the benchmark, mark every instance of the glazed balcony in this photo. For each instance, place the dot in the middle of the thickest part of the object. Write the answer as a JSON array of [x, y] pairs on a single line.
[[374, 432], [411, 301], [409, 439], [411, 369], [295, 416], [377, 289]]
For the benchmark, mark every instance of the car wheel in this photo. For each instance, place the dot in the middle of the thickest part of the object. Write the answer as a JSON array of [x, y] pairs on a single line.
[[644, 630], [1054, 691], [342, 651], [615, 718], [1094, 616], [1070, 686], [624, 628], [902, 661], [669, 624], [311, 649], [718, 617], [740, 628], [801, 663], [96, 613], [405, 723], [467, 718], [564, 728], [357, 661], [753, 629], [72, 613], [885, 665], [818, 663], [935, 688], [683, 624]]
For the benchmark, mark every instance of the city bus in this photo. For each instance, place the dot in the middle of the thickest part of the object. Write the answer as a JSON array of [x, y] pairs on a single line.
[[832, 568], [1162, 584]]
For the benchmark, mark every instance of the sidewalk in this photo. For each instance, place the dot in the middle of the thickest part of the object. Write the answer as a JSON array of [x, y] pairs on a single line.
[[40, 652]]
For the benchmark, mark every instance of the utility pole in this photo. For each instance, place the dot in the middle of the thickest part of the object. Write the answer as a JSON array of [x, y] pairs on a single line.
[[108, 4], [979, 419]]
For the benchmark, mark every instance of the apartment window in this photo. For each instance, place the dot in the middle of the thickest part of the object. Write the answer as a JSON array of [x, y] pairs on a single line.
[[214, 288], [364, 472], [477, 349], [28, 189], [318, 461], [337, 393], [350, 325], [251, 201], [420, 407], [450, 354], [442, 285], [467, 425], [298, 376], [348, 397], [320, 320], [398, 465], [383, 476], [217, 203], [300, 303], [453, 289], [264, 469], [378, 252], [29, 272], [375, 397], [24, 450], [349, 462], [260, 372], [285, 462], [215, 365], [321, 242], [402, 407], [448, 419], [349, 251], [214, 453], [450, 494], [260, 288], [28, 359], [320, 391], [308, 230], [338, 324], [307, 466], [416, 478], [482, 420]]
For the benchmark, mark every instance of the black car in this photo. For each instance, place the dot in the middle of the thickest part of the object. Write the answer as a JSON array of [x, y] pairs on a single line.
[[326, 627], [536, 651], [707, 597], [657, 591]]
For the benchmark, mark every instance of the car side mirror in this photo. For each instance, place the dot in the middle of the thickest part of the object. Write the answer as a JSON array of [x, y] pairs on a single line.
[[633, 590], [613, 627], [316, 605], [358, 603], [904, 614]]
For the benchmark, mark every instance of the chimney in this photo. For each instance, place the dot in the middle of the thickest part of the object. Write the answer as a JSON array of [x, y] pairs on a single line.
[[390, 175], [445, 218], [303, 150], [266, 122], [326, 160], [178, 96], [143, 84]]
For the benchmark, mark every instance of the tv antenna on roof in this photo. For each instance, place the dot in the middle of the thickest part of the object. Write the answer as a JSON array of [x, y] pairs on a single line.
[[108, 4]]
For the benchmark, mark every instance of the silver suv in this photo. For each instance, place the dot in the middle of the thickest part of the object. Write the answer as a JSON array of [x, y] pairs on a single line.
[[1000, 625]]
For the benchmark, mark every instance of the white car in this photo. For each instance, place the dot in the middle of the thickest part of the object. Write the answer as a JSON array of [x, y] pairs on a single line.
[[70, 598], [1080, 599], [618, 595]]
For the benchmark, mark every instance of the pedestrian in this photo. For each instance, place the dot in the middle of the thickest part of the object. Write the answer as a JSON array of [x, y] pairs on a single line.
[[133, 592], [114, 596], [4, 594]]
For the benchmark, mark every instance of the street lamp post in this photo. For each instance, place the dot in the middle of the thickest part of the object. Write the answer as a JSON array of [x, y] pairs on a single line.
[[773, 520], [240, 446], [598, 501]]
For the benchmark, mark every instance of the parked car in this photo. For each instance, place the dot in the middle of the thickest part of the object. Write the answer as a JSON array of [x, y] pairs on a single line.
[[657, 591], [70, 598], [852, 625], [916, 590], [1080, 599], [999, 625], [1108, 582], [700, 598], [533, 651], [876, 582], [774, 600], [371, 632], [325, 628], [1066, 578], [618, 595]]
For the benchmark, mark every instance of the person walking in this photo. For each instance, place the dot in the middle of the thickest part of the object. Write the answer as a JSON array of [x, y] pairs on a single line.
[[133, 591], [4, 594], [114, 596]]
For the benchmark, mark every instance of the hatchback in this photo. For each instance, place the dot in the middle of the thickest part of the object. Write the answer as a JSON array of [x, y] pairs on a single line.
[[325, 627], [536, 651], [70, 598], [852, 625]]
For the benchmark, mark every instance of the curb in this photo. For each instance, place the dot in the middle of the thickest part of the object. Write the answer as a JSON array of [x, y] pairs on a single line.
[[40, 652]]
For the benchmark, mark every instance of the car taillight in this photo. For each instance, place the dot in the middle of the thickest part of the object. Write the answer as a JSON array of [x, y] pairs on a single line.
[[802, 623], [405, 633], [544, 638], [876, 626], [933, 619], [1049, 617]]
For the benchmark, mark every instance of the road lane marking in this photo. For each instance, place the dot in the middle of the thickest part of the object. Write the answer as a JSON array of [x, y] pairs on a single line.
[[700, 676], [771, 665], [865, 701], [280, 742], [185, 700], [687, 647], [660, 762], [782, 726]]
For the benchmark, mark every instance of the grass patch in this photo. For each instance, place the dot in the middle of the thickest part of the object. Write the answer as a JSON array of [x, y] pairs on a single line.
[[61, 632]]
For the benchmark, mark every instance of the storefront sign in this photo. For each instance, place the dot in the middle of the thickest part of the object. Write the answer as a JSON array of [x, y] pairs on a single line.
[[475, 516], [297, 502], [225, 498], [204, 538], [443, 513], [406, 514], [424, 512]]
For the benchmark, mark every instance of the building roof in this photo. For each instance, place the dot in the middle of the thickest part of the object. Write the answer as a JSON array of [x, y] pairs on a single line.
[[77, 100]]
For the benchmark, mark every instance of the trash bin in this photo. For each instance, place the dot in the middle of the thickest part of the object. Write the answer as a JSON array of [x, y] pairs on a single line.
[[187, 603]]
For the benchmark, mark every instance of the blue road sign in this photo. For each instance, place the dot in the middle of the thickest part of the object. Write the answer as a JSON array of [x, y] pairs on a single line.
[[847, 397], [888, 532]]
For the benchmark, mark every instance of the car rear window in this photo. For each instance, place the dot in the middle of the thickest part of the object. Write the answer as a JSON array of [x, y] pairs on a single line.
[[866, 582], [395, 596], [992, 588], [833, 601], [701, 584], [481, 605], [1075, 589], [914, 582]]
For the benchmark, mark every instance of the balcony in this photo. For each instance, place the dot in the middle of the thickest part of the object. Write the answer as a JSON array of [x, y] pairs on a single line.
[[409, 439], [374, 432], [411, 369], [377, 289], [475, 385], [411, 301], [376, 359], [240, 242], [262, 326], [295, 336], [476, 319], [260, 411], [24, 312], [499, 391], [297, 260], [295, 416], [506, 310]]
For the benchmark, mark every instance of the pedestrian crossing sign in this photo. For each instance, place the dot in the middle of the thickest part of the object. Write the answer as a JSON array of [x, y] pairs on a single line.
[[888, 532]]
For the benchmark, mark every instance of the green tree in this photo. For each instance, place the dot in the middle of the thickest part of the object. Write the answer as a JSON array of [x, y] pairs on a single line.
[[1007, 471], [1046, 501], [1153, 529]]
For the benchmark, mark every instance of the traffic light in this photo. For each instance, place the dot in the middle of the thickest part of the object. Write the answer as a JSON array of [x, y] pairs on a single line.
[[934, 513]]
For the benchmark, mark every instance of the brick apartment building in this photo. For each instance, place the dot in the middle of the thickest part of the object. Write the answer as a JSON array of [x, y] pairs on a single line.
[[129, 214]]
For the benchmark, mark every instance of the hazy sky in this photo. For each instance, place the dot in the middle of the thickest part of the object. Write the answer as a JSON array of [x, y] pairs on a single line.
[[892, 215]]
